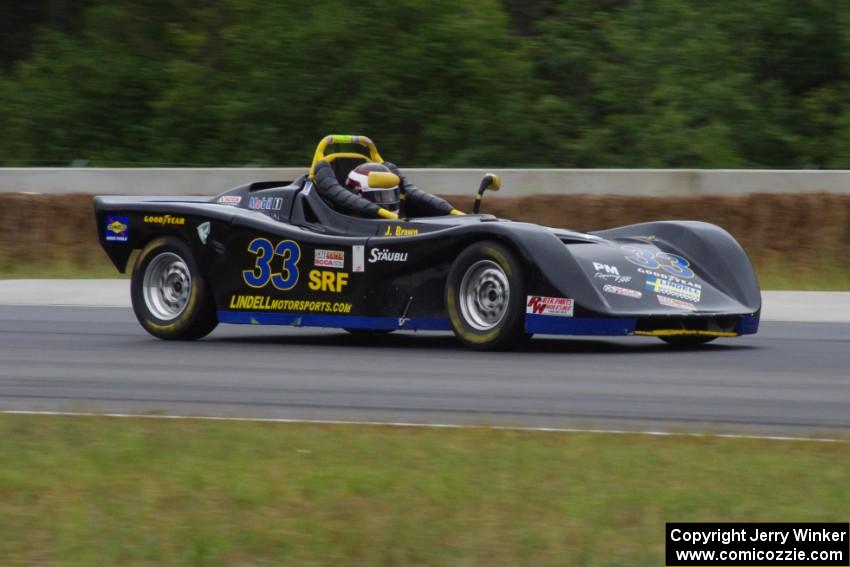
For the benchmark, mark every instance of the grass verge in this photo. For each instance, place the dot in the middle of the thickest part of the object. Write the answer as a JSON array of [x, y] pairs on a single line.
[[85, 491]]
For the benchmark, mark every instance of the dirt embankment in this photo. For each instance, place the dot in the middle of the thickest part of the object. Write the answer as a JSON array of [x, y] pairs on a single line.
[[801, 235]]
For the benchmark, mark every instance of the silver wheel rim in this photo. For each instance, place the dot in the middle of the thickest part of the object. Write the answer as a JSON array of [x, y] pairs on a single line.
[[166, 286], [484, 295]]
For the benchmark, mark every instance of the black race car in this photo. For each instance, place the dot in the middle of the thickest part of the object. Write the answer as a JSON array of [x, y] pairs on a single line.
[[311, 253]]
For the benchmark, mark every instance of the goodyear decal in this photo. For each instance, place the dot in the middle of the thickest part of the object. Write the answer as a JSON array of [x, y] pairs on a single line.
[[164, 219], [266, 303], [117, 228]]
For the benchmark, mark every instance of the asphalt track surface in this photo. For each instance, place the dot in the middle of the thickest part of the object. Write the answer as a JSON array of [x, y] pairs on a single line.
[[790, 379]]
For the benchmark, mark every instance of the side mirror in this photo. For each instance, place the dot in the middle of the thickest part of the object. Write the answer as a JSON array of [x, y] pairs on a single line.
[[490, 182]]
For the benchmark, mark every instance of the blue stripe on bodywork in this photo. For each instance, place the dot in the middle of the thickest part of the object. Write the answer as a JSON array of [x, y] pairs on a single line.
[[334, 321], [748, 324], [549, 325]]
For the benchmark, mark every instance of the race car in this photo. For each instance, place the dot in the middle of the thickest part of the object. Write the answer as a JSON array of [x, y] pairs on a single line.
[[312, 253]]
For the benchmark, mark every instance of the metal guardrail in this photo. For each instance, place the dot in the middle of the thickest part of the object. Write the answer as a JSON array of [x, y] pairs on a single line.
[[515, 182]]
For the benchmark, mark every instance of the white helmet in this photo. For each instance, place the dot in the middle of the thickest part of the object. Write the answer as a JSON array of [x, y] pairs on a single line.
[[358, 182]]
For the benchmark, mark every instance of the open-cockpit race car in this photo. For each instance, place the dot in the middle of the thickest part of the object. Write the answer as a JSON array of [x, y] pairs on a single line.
[[313, 253]]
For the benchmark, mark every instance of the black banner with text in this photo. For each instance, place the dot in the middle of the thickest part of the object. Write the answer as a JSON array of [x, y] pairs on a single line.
[[757, 544]]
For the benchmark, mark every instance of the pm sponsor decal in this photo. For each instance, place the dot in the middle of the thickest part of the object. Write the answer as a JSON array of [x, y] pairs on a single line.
[[384, 255], [329, 258], [117, 228], [555, 306], [608, 288], [605, 268], [673, 289], [677, 303], [164, 219]]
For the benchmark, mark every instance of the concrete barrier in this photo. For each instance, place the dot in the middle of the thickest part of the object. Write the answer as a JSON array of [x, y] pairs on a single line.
[[515, 182]]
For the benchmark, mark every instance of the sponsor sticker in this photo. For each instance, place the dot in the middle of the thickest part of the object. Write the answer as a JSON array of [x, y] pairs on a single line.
[[321, 280], [555, 306], [265, 203], [606, 269], [384, 255], [164, 219], [232, 200], [203, 231], [677, 303], [673, 289], [608, 288], [401, 231], [612, 278], [329, 258], [117, 228], [266, 303], [358, 262]]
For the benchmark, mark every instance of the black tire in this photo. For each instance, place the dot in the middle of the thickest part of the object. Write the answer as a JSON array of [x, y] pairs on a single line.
[[171, 312], [483, 321], [687, 341]]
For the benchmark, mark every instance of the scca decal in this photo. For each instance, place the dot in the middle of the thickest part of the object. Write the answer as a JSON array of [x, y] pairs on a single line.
[[321, 280], [262, 273]]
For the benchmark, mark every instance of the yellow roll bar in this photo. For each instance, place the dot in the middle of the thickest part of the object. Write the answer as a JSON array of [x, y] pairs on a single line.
[[364, 141]]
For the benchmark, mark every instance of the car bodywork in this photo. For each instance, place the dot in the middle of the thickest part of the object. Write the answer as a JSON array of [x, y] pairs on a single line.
[[277, 253]]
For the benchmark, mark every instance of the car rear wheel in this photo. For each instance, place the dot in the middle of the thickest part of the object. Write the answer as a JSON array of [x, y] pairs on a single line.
[[170, 298], [485, 297]]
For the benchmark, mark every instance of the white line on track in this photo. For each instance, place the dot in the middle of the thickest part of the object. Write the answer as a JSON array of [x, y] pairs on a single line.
[[423, 425]]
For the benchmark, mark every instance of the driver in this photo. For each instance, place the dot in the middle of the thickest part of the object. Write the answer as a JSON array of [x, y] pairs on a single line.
[[358, 183], [417, 203]]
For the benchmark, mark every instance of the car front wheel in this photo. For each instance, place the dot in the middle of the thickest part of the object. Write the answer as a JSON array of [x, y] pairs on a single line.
[[485, 297]]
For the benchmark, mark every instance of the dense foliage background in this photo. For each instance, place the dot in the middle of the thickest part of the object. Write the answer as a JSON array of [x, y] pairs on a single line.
[[580, 83]]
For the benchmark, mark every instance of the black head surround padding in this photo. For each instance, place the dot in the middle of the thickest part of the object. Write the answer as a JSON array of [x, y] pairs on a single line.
[[418, 203], [341, 198]]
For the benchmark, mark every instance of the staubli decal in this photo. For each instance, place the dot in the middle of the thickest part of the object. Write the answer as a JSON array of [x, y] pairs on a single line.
[[164, 219], [266, 303], [384, 255], [401, 231]]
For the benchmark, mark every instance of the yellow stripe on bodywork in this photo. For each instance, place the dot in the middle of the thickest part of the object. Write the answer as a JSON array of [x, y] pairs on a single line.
[[456, 212], [685, 333], [385, 214]]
